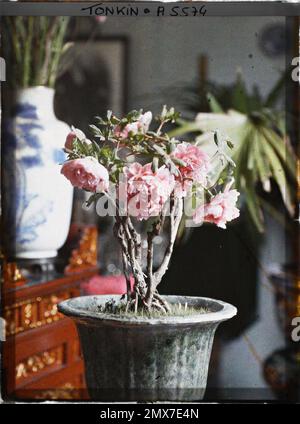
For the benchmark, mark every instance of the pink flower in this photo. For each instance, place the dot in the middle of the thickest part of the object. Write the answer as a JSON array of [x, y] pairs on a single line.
[[106, 284], [220, 210], [139, 126], [100, 18], [73, 135], [69, 140], [196, 165], [86, 173], [147, 191]]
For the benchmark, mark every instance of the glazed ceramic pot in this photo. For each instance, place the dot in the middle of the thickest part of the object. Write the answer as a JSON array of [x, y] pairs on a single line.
[[138, 358], [37, 198]]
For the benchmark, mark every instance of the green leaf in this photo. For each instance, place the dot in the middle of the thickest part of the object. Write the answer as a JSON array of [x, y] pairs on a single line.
[[100, 120], [264, 172], [184, 128], [95, 129], [83, 147], [159, 149], [276, 90], [253, 207], [279, 176], [254, 100], [251, 159], [97, 149], [240, 96], [241, 156], [179, 162], [114, 120], [214, 105], [281, 149], [232, 125], [173, 168], [133, 115], [155, 164]]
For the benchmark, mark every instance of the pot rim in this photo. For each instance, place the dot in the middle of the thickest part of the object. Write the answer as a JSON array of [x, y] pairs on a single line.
[[226, 312]]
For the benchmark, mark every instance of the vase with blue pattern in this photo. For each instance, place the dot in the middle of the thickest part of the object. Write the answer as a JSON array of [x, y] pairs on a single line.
[[37, 199]]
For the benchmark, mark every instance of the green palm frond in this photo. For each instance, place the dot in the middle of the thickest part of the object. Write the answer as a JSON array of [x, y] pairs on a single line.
[[261, 153]]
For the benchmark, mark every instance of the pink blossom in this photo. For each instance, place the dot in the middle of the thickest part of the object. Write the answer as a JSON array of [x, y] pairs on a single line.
[[86, 173], [221, 209], [69, 140], [100, 18], [73, 135], [196, 165], [106, 284], [139, 126], [147, 191]]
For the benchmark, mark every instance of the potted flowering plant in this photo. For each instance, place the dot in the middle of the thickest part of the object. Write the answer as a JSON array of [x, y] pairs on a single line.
[[143, 345]]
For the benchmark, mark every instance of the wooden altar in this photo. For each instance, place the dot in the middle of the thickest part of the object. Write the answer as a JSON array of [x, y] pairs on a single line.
[[41, 353]]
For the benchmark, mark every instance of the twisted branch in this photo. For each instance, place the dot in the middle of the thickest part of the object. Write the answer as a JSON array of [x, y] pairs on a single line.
[[145, 290], [175, 218]]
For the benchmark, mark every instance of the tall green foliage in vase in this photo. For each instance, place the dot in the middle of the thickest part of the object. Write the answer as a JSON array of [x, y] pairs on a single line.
[[31, 47]]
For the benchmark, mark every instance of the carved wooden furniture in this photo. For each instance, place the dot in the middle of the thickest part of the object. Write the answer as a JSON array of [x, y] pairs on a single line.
[[85, 255], [41, 354]]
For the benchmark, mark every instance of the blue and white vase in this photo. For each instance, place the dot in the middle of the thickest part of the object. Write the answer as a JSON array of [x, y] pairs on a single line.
[[37, 198]]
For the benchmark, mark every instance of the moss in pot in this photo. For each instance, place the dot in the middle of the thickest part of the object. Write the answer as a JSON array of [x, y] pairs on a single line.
[[144, 346]]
